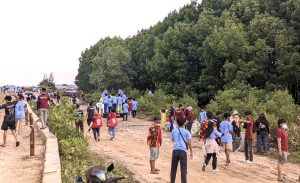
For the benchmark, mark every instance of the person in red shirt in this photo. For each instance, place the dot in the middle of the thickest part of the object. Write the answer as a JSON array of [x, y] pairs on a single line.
[[96, 124], [180, 112], [112, 123], [248, 124], [43, 106], [282, 145], [190, 118]]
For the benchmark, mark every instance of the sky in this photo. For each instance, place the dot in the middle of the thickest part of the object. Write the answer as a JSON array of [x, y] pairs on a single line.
[[42, 36]]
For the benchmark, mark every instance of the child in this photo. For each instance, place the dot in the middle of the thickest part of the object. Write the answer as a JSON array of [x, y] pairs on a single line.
[[154, 141], [125, 111], [163, 116], [168, 124], [211, 148], [79, 118], [112, 123], [96, 124]]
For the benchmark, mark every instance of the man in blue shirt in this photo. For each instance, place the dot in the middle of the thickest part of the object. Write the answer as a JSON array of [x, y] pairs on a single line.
[[125, 111], [134, 107], [182, 140], [225, 128], [120, 101]]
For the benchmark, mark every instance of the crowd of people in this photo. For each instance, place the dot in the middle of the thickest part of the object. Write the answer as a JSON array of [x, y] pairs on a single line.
[[223, 129]]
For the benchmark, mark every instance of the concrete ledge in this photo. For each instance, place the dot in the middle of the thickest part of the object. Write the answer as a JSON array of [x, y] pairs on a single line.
[[52, 169]]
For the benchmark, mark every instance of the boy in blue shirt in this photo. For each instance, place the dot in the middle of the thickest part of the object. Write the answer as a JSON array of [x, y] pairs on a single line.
[[225, 128], [125, 111], [134, 107], [182, 141], [120, 101]]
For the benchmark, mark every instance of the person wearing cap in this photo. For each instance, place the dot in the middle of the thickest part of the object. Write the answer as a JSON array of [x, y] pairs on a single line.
[[9, 119], [282, 145], [225, 128], [236, 135]]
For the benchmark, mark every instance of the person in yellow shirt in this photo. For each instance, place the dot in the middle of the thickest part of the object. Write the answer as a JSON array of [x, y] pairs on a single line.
[[163, 117]]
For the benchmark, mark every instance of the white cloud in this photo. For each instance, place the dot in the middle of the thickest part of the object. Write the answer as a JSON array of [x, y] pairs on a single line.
[[39, 37]]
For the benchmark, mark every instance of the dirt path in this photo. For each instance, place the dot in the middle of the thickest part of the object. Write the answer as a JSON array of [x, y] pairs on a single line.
[[130, 149], [15, 164]]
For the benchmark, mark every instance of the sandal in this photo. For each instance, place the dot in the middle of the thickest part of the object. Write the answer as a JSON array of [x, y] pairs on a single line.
[[154, 172], [157, 170]]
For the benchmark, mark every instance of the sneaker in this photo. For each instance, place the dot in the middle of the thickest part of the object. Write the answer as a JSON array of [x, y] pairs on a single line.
[[203, 167], [215, 170], [17, 143]]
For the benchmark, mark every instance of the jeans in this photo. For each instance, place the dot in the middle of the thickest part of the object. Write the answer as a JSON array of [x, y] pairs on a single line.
[[248, 150], [179, 156], [125, 116], [43, 116], [189, 126], [262, 140], [133, 113], [214, 162], [105, 108], [96, 132], [112, 131]]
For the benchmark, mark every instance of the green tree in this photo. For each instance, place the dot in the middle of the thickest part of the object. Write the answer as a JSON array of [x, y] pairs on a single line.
[[48, 82]]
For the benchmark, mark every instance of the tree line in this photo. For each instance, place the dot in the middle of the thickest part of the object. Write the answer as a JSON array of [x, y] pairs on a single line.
[[201, 49]]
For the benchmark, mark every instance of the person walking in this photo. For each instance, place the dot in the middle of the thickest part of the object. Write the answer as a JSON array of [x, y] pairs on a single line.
[[9, 121], [79, 119], [154, 141], [226, 128], [90, 113], [190, 118], [134, 107], [263, 133], [125, 111], [96, 125], [182, 141], [248, 124], [236, 135], [20, 112], [43, 106], [163, 116], [112, 123], [211, 148], [202, 114], [282, 146], [58, 97]]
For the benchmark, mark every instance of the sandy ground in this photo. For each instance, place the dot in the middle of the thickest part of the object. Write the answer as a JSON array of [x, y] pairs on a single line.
[[15, 164], [129, 148]]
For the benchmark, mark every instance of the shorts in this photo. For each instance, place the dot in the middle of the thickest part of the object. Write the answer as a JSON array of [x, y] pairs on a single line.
[[282, 158], [154, 152], [8, 124], [227, 145]]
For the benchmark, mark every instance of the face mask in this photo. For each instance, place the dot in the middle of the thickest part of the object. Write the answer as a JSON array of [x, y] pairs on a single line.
[[284, 126]]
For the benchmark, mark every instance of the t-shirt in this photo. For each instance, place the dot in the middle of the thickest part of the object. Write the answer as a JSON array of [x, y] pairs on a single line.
[[90, 111], [178, 143], [119, 99], [105, 100], [281, 133], [225, 128], [134, 105], [129, 105], [190, 116], [97, 121], [79, 114], [249, 129], [9, 111], [179, 114], [154, 136], [202, 116], [110, 102], [114, 99], [20, 109], [112, 119], [125, 108], [43, 101]]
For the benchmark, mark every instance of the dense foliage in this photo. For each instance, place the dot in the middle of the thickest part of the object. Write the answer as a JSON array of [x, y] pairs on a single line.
[[202, 49], [73, 146]]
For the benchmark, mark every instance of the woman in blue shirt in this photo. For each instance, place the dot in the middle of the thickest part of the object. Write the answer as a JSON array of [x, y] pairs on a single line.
[[20, 112]]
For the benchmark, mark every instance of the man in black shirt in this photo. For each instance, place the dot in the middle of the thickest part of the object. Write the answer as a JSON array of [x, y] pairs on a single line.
[[9, 119], [90, 113], [79, 118]]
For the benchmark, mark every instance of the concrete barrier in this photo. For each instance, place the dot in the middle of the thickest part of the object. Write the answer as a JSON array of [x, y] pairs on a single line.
[[52, 169]]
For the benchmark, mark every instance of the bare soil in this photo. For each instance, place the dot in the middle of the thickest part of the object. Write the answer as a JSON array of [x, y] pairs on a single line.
[[16, 166], [130, 149]]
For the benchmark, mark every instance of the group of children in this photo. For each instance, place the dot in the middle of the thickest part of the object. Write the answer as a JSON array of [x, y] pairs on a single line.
[[214, 131]]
